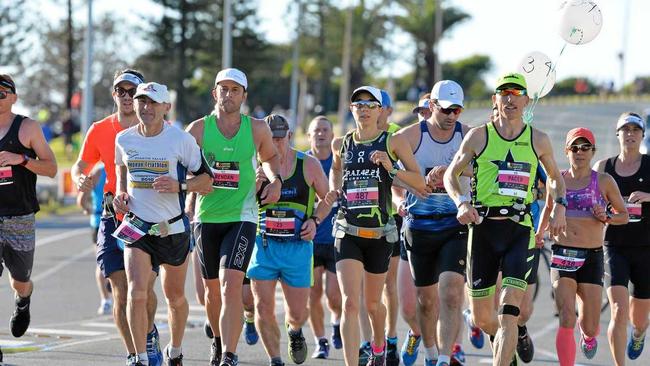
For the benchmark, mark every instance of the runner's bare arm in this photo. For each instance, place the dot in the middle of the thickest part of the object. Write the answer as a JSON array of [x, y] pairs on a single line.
[[554, 181], [336, 171], [613, 196], [411, 174], [268, 155], [45, 164], [196, 130], [544, 217], [600, 166], [121, 200], [316, 178], [474, 141]]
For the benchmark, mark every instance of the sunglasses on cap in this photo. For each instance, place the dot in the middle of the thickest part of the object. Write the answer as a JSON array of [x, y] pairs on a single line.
[[515, 92], [370, 104], [4, 93], [449, 111], [121, 92], [582, 147]]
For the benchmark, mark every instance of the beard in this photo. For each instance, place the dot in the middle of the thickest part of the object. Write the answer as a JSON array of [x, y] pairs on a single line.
[[229, 106]]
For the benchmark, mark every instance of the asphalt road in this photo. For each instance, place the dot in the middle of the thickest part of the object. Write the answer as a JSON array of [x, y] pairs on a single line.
[[65, 329]]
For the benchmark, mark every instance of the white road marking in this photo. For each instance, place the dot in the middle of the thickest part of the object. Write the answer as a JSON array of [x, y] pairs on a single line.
[[58, 237], [10, 343], [48, 272], [68, 332]]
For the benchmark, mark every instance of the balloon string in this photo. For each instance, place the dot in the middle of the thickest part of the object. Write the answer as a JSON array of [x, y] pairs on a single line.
[[528, 114]]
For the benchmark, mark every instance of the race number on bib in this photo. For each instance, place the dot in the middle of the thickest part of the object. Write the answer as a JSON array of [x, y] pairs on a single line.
[[513, 179], [280, 223], [568, 259], [634, 210], [6, 175], [226, 174], [362, 193], [131, 229]]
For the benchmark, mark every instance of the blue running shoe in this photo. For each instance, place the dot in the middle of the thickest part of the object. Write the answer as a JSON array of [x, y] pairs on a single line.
[[250, 333], [410, 349], [428, 362], [323, 350], [457, 356], [635, 346], [364, 353], [154, 354], [337, 342], [475, 334]]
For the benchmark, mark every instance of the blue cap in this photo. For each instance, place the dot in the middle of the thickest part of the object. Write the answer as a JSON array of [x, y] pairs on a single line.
[[385, 99]]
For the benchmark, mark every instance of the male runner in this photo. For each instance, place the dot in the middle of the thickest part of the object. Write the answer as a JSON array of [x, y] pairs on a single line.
[[321, 134], [24, 154], [227, 217], [423, 109], [99, 145], [505, 153]]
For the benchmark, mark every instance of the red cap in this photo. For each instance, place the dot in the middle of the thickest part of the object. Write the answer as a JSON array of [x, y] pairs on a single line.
[[579, 132]]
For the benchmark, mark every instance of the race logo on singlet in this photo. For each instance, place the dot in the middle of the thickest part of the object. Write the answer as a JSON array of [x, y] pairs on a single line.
[[513, 178], [226, 174], [143, 171], [633, 209], [280, 223], [6, 175]]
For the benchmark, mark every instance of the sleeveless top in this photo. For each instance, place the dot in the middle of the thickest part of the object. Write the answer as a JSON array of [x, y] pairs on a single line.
[[504, 172], [366, 200], [17, 183], [324, 231], [637, 231], [233, 162], [430, 153], [282, 220], [581, 201]]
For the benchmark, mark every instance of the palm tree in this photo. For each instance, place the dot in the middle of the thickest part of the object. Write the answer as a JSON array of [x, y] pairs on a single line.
[[419, 22]]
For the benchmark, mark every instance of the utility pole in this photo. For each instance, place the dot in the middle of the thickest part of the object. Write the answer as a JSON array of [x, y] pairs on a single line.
[[70, 86], [87, 106], [437, 71], [295, 69], [344, 91], [226, 44]]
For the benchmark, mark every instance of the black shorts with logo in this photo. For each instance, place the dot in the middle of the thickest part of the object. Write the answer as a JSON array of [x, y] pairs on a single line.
[[171, 249], [431, 253], [591, 271], [375, 254], [224, 246]]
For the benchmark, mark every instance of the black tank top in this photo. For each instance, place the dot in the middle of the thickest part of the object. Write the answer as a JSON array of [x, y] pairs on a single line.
[[17, 183], [366, 200], [637, 231]]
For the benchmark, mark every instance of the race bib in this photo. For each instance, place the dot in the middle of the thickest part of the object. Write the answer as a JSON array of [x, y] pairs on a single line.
[[439, 188], [226, 175], [513, 179], [362, 193], [280, 223], [131, 229], [568, 259], [634, 210], [6, 175]]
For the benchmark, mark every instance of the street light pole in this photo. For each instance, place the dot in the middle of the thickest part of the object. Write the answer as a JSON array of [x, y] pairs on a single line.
[[87, 106], [226, 44], [293, 99]]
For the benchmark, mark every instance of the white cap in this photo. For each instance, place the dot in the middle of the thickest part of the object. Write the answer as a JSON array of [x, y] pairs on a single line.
[[447, 93], [423, 103], [630, 119], [127, 76], [376, 93], [232, 74], [157, 92]]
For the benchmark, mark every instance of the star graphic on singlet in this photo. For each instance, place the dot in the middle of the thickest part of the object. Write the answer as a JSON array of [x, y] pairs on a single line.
[[509, 158]]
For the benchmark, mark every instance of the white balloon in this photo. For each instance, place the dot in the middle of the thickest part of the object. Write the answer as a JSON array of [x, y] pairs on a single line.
[[537, 68], [580, 21]]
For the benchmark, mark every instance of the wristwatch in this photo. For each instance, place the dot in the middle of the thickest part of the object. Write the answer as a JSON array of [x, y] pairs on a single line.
[[182, 187], [393, 172], [316, 220], [25, 160], [562, 201], [279, 177]]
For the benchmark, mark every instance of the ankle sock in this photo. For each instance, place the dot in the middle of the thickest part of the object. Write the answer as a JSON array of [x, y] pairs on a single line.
[[444, 358], [276, 360], [173, 352], [143, 358], [565, 344], [432, 352], [377, 350]]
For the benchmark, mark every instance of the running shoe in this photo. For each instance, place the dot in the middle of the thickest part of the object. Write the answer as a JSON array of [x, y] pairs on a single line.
[[588, 348], [229, 359], [337, 342], [474, 333], [207, 329], [323, 350], [276, 363], [20, 319], [376, 360], [297, 346], [138, 364], [250, 333], [364, 353], [105, 308], [457, 356], [178, 361], [525, 347], [428, 362], [634, 346], [514, 360], [154, 354], [215, 353], [442, 364], [392, 358], [410, 348]]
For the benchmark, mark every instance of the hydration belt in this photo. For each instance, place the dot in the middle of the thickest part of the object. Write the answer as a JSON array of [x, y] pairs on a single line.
[[517, 212], [389, 230]]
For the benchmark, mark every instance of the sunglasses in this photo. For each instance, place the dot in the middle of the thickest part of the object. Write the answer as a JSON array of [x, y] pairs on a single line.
[[449, 111], [582, 147], [515, 92], [121, 92], [370, 104], [4, 93]]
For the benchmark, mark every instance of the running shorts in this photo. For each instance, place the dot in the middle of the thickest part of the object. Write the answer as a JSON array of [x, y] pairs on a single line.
[[431, 253], [224, 246]]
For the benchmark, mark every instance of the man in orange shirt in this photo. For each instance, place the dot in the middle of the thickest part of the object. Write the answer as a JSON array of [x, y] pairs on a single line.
[[99, 145]]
